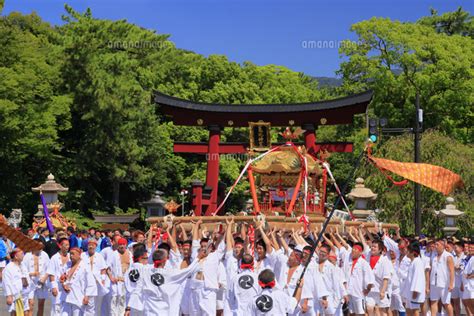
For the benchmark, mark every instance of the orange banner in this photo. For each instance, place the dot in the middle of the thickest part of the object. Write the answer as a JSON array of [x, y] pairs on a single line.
[[437, 178]]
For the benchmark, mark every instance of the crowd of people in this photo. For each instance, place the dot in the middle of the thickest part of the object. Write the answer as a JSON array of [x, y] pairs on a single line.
[[238, 269]]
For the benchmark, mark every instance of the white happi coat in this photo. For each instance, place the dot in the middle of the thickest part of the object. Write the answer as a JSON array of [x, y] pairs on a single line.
[[82, 283], [211, 266], [415, 282], [382, 270], [271, 302], [242, 288], [331, 276], [359, 277], [468, 270], [28, 264], [56, 269], [159, 289], [134, 298], [315, 285], [115, 265], [12, 283], [96, 264]]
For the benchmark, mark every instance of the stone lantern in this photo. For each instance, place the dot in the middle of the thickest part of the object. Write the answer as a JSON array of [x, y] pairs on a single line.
[[50, 190], [361, 197], [155, 206], [450, 213]]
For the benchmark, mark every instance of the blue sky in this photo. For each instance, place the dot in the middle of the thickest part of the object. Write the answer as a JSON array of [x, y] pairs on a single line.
[[260, 31]]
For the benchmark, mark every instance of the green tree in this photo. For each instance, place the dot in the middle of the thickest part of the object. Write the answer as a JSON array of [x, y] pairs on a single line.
[[117, 149], [398, 59], [33, 109], [457, 22]]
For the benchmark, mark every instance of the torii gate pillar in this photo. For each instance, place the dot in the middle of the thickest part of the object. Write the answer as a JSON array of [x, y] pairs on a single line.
[[309, 137], [212, 174]]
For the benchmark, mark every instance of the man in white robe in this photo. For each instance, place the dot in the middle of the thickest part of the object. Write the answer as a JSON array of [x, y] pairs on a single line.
[[232, 261], [79, 285], [97, 265], [378, 301], [204, 284], [14, 283], [331, 278], [414, 289], [140, 261], [441, 279], [36, 264], [160, 287], [360, 280], [118, 262], [290, 273], [56, 268], [243, 287]]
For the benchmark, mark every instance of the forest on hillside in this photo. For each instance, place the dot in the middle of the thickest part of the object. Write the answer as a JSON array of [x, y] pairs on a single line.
[[76, 100]]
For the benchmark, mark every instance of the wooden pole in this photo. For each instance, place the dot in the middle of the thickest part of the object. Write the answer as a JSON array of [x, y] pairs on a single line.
[[253, 191], [295, 193]]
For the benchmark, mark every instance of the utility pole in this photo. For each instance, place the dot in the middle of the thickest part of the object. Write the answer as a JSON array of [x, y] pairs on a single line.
[[417, 131]]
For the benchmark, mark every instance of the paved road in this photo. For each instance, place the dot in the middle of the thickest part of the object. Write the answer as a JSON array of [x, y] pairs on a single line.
[[4, 310]]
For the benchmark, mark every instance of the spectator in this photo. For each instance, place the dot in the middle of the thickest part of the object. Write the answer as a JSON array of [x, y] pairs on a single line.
[[106, 241], [73, 240], [85, 240]]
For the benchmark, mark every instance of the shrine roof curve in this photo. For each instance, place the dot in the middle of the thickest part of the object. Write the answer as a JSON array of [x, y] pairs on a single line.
[[328, 112]]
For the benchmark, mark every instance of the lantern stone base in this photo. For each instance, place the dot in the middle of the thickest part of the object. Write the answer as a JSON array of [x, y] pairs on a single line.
[[361, 215], [449, 231]]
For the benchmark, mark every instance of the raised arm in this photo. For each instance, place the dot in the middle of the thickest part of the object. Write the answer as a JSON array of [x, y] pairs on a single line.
[[228, 234], [149, 240], [341, 240], [171, 238], [184, 234], [351, 236], [362, 237], [283, 243], [265, 238], [274, 240], [195, 230], [328, 241]]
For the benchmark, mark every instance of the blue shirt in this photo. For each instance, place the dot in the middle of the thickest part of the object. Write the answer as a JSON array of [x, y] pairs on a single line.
[[3, 250], [84, 244], [73, 241], [105, 243]]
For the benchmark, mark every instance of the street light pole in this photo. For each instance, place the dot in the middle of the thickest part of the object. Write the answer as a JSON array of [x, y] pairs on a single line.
[[417, 132], [183, 195]]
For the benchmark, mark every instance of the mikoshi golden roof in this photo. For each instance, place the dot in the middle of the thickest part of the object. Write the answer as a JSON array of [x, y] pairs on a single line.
[[286, 160]]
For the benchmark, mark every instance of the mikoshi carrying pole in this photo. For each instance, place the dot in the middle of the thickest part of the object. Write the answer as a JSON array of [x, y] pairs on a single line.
[[326, 222]]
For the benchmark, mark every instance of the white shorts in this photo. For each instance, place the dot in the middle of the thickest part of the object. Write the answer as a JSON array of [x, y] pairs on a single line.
[[26, 306], [333, 304], [396, 303], [373, 299], [413, 305], [356, 305], [440, 293]]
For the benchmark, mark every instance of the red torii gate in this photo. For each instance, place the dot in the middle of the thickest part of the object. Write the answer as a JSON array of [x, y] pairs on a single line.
[[217, 116]]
